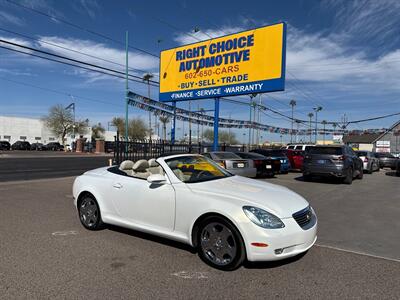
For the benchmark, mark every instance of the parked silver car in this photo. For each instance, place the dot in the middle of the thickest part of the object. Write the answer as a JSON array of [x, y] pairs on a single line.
[[370, 162], [386, 160], [233, 163]]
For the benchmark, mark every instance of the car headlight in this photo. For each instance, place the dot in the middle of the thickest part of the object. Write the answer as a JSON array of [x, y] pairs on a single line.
[[262, 218]]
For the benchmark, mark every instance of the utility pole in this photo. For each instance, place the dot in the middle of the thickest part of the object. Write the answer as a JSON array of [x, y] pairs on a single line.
[[250, 118], [292, 103], [310, 115], [316, 109], [127, 90]]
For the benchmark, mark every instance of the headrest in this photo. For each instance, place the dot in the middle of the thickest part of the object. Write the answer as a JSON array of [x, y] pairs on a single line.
[[140, 166], [126, 165], [153, 163]]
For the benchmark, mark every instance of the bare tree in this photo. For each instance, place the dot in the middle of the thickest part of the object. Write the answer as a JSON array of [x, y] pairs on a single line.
[[136, 127], [61, 122], [223, 136]]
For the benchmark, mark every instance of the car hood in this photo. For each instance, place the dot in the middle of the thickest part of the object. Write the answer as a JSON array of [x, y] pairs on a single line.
[[273, 198]]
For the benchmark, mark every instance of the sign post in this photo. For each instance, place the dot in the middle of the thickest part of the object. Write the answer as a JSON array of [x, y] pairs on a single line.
[[216, 122]]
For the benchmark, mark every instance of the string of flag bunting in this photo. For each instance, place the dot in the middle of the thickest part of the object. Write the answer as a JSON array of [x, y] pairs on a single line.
[[163, 109]]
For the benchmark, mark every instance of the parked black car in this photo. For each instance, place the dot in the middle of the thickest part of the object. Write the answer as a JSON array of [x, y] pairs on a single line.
[[37, 146], [4, 145], [276, 154], [398, 168], [386, 160], [265, 166], [21, 145], [54, 146], [335, 161]]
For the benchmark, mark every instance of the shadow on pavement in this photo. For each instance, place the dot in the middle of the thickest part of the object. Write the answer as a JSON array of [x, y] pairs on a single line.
[[153, 238], [326, 180], [391, 173]]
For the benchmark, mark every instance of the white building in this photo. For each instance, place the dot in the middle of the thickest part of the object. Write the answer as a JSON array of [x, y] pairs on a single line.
[[32, 130]]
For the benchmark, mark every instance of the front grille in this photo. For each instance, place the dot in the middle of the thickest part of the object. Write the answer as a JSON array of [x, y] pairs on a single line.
[[303, 217]]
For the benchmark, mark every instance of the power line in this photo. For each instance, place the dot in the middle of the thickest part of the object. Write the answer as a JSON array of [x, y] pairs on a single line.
[[69, 64], [53, 18], [153, 83], [69, 49]]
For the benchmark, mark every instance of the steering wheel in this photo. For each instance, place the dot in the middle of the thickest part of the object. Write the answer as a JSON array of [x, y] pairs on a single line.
[[202, 173]]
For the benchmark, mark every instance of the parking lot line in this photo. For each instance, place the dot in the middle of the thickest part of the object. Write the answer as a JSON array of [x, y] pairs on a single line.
[[357, 252]]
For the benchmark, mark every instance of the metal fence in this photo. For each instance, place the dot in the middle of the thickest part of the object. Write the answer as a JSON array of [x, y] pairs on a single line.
[[146, 149]]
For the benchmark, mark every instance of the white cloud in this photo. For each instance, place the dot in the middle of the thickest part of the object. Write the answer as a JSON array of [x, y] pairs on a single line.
[[90, 7], [9, 18], [136, 60], [312, 57], [192, 37]]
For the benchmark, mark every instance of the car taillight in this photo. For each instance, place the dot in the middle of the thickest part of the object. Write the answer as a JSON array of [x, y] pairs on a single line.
[[222, 164], [339, 157], [257, 163]]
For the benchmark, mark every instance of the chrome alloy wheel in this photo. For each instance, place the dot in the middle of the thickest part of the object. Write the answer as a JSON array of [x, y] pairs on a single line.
[[88, 212], [218, 244]]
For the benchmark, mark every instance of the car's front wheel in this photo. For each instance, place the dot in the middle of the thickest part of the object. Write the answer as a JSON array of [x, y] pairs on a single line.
[[89, 213], [220, 244]]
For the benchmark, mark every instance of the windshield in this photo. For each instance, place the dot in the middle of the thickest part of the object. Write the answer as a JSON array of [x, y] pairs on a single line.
[[190, 169], [326, 150], [362, 153], [383, 154], [226, 155]]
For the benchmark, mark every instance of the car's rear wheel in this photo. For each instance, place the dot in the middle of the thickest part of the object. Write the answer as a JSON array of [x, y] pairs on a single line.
[[89, 213], [349, 177], [220, 244]]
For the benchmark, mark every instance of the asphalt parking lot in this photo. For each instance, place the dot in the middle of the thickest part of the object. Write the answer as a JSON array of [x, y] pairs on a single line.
[[46, 253]]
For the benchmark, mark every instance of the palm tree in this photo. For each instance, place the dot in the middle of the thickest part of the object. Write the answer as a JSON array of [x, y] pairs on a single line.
[[147, 77], [164, 120]]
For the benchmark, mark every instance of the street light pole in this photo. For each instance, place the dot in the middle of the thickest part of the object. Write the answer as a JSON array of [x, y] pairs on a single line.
[[292, 104], [126, 90], [316, 109], [310, 115]]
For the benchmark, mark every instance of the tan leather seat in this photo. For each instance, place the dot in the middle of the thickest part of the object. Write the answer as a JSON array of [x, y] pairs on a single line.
[[140, 169], [126, 166], [154, 167]]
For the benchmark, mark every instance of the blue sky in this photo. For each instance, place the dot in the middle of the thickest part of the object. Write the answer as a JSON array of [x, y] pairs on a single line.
[[341, 55]]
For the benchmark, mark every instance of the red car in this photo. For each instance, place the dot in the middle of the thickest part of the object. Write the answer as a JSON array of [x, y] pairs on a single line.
[[296, 158]]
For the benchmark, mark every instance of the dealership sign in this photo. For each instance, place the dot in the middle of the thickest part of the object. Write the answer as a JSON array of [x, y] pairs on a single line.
[[247, 62]]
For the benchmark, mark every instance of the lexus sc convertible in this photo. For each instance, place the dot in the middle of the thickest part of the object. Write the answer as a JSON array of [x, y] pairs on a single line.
[[191, 199]]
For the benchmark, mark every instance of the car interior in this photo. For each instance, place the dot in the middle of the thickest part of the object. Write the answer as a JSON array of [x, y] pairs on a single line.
[[141, 169]]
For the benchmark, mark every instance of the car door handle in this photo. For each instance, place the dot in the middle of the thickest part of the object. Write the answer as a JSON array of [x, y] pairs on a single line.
[[117, 185]]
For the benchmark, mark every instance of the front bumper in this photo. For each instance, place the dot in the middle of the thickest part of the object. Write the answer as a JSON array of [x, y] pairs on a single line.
[[282, 243]]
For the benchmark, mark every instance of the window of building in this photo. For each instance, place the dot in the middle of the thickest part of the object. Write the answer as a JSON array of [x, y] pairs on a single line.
[[51, 139], [22, 137], [38, 138], [7, 137]]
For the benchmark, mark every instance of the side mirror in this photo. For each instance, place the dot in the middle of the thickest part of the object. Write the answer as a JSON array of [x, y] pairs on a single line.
[[157, 179]]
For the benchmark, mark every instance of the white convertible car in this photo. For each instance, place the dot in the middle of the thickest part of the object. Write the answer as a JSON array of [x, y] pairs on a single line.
[[191, 199]]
